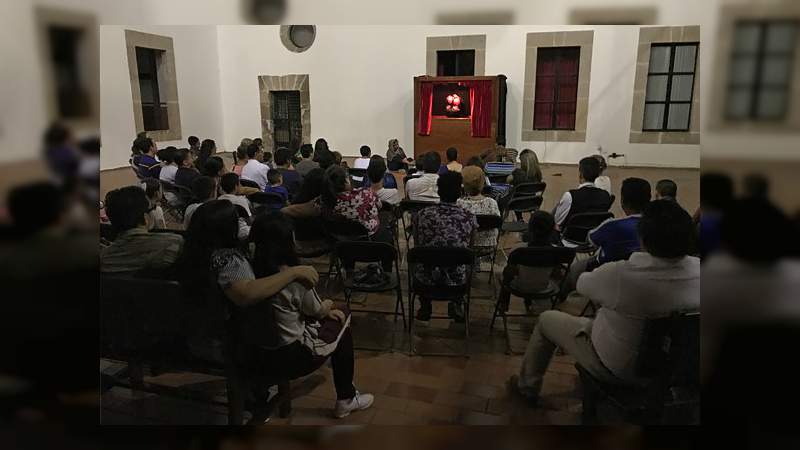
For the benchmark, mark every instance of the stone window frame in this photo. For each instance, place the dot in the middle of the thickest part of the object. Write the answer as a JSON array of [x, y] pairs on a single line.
[[167, 80], [729, 16], [46, 17], [292, 82], [580, 38], [614, 15], [475, 42], [664, 35]]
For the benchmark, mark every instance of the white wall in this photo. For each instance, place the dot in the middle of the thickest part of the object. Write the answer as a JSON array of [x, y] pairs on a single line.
[[362, 89], [197, 72]]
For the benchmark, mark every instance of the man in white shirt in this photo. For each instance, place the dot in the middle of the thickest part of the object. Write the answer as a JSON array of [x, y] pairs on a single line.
[[424, 188], [649, 285], [169, 170], [229, 183], [363, 162], [375, 173], [587, 198], [255, 170]]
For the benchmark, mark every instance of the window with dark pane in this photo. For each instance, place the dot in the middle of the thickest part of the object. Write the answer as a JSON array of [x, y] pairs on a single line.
[[154, 109], [71, 96], [455, 63], [286, 119], [759, 85], [556, 88], [670, 87]]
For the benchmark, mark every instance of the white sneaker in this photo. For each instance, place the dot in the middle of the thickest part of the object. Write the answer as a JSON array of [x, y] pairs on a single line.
[[359, 402]]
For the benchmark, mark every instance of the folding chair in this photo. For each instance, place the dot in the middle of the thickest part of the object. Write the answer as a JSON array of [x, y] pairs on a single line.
[[442, 258], [265, 201], [527, 189], [544, 259], [576, 230], [349, 253], [356, 176], [520, 205], [488, 222], [339, 229], [390, 218], [669, 362], [411, 207], [176, 199]]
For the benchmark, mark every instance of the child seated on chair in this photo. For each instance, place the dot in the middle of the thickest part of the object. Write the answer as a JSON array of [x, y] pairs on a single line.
[[155, 214], [275, 186]]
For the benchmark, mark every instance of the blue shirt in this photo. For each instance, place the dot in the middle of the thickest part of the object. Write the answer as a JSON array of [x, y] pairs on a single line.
[[280, 190], [617, 238], [389, 182], [148, 166]]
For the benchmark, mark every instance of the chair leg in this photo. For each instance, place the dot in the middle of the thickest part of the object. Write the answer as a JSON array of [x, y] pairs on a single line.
[[466, 326], [410, 323], [494, 315], [505, 331]]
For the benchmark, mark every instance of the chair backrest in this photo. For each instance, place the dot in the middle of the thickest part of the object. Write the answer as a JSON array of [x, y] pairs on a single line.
[[339, 229], [266, 200], [498, 178], [525, 204], [249, 183], [541, 256], [527, 189], [351, 252], [413, 206], [578, 226], [308, 230], [487, 222], [441, 256], [359, 173], [670, 349]]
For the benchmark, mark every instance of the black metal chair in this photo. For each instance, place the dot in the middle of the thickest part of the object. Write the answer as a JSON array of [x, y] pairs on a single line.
[[181, 198], [441, 258], [527, 189], [390, 218], [543, 259], [669, 362], [339, 229], [249, 183], [488, 222], [356, 176], [576, 230], [498, 178], [266, 201], [521, 205], [411, 207], [350, 253]]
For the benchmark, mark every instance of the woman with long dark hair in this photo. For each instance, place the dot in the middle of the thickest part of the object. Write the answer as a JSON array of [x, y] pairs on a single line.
[[361, 205], [301, 340], [207, 148]]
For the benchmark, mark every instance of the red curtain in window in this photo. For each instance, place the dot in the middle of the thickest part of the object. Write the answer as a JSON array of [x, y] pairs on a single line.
[[480, 100], [425, 108], [567, 90]]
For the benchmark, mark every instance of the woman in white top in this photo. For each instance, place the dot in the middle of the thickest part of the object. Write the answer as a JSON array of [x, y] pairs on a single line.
[[478, 204], [603, 182]]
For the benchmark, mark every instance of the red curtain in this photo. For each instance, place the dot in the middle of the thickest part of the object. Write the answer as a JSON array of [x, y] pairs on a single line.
[[480, 100], [425, 108]]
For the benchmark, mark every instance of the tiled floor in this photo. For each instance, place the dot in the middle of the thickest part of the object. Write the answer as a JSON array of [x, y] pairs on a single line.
[[408, 389]]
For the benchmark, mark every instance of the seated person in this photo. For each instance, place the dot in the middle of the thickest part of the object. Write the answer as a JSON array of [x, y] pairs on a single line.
[[186, 172], [529, 170], [146, 164], [361, 205], [424, 188], [586, 198], [230, 186], [363, 161], [255, 170], [651, 284], [396, 153], [169, 168], [444, 224], [667, 190], [716, 195], [389, 180], [307, 164], [376, 175], [267, 158], [477, 204], [135, 249], [293, 343], [276, 186], [602, 181], [452, 160], [155, 214], [214, 168], [204, 189], [283, 164]]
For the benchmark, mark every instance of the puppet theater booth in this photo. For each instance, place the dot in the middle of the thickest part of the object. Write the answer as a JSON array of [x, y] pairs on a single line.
[[468, 113]]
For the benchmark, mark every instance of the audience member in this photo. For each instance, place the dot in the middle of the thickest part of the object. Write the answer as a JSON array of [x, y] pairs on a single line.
[[586, 198], [307, 164], [452, 160], [321, 150], [651, 284], [240, 160], [204, 189], [667, 190], [360, 205], [155, 214], [444, 224], [135, 250], [477, 204], [169, 168], [207, 148], [266, 158], [186, 172], [215, 168], [716, 194], [255, 170], [60, 152], [529, 170], [194, 146], [146, 163], [396, 153], [603, 182], [363, 161], [376, 175], [230, 187], [283, 165], [276, 186], [389, 180], [424, 188]]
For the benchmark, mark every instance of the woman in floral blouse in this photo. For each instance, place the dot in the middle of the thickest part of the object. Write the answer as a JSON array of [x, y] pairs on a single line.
[[361, 204]]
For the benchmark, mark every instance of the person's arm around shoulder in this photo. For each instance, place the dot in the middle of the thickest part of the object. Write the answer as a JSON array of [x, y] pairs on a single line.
[[302, 210], [249, 292], [602, 285]]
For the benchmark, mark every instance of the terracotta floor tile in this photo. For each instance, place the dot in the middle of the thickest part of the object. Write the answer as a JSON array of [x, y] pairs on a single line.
[[476, 418], [461, 401], [418, 393]]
